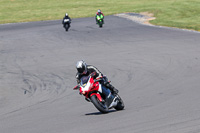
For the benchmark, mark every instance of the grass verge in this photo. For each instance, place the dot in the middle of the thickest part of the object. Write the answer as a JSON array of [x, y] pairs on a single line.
[[172, 13]]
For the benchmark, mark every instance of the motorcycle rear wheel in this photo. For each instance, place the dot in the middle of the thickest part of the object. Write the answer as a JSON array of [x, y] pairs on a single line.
[[102, 107]]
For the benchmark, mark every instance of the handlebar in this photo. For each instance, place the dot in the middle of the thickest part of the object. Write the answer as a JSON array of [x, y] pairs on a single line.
[[97, 80]]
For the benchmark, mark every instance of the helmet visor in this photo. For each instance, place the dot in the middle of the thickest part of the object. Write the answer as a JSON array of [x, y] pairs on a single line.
[[81, 70]]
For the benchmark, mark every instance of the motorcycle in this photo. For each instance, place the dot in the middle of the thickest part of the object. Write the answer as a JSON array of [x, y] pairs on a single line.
[[100, 20], [66, 24], [101, 97]]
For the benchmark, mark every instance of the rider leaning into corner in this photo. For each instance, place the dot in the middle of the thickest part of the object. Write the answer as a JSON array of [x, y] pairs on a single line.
[[98, 13], [84, 70]]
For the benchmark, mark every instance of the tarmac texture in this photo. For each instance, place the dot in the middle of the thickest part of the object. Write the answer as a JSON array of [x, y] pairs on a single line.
[[155, 69]]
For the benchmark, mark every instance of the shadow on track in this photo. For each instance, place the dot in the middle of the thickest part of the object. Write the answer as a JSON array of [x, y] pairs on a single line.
[[99, 113]]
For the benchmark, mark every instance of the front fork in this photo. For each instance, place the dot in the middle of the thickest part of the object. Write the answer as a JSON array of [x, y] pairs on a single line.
[[98, 96]]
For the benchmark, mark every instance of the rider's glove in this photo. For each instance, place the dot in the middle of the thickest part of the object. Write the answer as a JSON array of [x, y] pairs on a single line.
[[93, 74], [98, 78], [76, 87]]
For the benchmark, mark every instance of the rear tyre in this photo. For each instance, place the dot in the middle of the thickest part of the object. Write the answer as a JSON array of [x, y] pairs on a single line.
[[102, 107], [120, 104]]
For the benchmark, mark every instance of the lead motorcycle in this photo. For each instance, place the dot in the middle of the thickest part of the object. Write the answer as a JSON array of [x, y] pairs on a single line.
[[102, 98], [100, 20]]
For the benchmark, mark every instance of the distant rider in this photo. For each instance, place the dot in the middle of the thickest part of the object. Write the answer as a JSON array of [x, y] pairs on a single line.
[[66, 17], [85, 70], [98, 14]]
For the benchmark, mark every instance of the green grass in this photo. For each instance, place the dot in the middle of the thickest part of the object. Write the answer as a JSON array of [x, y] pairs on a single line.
[[173, 13]]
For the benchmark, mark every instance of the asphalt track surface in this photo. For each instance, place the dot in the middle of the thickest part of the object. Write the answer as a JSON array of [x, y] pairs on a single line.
[[157, 71]]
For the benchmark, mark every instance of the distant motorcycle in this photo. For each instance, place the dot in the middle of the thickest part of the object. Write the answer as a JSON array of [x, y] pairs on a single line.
[[66, 24], [100, 20], [99, 95]]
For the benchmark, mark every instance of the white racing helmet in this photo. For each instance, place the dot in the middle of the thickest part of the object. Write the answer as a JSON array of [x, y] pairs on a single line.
[[81, 67], [99, 11]]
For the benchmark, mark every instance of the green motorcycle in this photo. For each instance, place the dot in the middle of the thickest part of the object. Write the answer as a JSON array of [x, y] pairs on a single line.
[[100, 21]]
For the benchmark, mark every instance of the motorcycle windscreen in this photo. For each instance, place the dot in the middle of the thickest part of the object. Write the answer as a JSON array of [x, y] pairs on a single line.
[[84, 80]]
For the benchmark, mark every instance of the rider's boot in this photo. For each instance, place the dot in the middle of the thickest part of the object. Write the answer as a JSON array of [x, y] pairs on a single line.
[[109, 99]]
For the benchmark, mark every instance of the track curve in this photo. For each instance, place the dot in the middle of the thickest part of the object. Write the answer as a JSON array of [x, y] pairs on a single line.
[[156, 70]]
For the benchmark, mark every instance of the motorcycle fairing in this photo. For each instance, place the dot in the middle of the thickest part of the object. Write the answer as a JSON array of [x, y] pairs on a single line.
[[100, 88], [99, 17], [90, 84], [87, 86]]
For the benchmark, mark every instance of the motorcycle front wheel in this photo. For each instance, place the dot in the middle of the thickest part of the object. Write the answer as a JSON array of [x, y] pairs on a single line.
[[102, 107], [66, 27], [101, 24]]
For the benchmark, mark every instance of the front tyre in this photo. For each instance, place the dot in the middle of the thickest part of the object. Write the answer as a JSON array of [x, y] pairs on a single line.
[[120, 104], [66, 27], [99, 105], [101, 24]]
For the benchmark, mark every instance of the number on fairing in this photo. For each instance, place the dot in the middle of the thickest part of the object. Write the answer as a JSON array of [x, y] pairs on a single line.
[[66, 20]]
